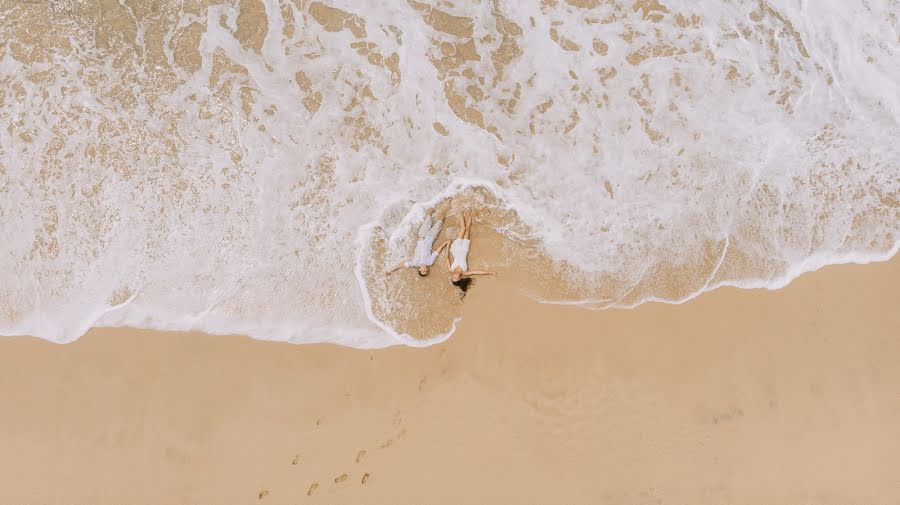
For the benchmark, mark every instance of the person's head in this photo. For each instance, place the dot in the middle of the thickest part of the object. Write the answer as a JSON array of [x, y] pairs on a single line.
[[423, 270], [455, 276], [463, 283]]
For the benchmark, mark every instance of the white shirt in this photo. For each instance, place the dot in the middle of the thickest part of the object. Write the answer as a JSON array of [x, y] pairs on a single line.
[[424, 256]]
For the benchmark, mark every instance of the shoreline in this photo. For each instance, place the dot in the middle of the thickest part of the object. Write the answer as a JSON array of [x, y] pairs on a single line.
[[513, 277], [744, 396], [259, 167]]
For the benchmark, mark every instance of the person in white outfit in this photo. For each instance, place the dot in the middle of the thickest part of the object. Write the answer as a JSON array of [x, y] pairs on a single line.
[[424, 256], [460, 275]]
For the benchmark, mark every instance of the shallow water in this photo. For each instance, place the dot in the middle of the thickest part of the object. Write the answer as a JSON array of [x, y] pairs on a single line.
[[252, 167]]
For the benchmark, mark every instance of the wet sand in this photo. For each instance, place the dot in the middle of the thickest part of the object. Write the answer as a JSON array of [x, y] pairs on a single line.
[[785, 396]]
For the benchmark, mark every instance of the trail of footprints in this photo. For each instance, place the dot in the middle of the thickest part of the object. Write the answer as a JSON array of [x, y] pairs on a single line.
[[340, 479], [360, 456]]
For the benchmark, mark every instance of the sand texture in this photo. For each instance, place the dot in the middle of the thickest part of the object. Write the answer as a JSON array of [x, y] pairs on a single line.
[[785, 396]]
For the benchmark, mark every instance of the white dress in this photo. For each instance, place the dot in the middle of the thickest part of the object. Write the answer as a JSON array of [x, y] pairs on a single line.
[[424, 256], [459, 249]]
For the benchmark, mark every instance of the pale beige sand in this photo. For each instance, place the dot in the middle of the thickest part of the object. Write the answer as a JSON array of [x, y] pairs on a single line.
[[736, 397]]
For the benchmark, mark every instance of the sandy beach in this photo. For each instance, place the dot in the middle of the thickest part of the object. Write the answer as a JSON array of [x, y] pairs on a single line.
[[253, 168], [738, 396]]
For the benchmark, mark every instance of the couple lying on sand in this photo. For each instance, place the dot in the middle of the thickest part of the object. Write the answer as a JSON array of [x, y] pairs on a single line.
[[460, 275]]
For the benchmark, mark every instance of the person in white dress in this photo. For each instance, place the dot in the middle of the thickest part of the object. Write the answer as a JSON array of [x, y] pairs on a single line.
[[460, 275], [424, 256]]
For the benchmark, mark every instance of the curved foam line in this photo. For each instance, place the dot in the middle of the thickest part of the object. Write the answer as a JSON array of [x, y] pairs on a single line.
[[363, 238], [88, 323], [810, 264], [455, 186]]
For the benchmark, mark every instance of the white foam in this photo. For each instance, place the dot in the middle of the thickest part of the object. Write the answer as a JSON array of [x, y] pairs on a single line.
[[121, 204], [808, 265]]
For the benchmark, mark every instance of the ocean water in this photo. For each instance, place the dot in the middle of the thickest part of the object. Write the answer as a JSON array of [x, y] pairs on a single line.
[[254, 166]]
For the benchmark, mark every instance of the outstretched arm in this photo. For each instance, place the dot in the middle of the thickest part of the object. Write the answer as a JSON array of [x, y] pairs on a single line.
[[441, 248], [447, 257], [480, 272], [398, 267]]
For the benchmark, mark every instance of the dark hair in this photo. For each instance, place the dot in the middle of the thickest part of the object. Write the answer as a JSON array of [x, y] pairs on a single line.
[[464, 284]]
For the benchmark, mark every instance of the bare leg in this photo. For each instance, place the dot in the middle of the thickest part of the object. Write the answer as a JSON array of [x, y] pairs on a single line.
[[461, 223], [467, 225]]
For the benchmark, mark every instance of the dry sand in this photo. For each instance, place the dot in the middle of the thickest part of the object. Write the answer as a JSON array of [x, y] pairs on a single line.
[[736, 397]]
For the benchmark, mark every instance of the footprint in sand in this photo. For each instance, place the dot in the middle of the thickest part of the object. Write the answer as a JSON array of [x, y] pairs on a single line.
[[360, 455], [312, 488], [421, 384], [398, 423], [364, 478], [389, 442], [341, 478], [296, 459], [263, 494]]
